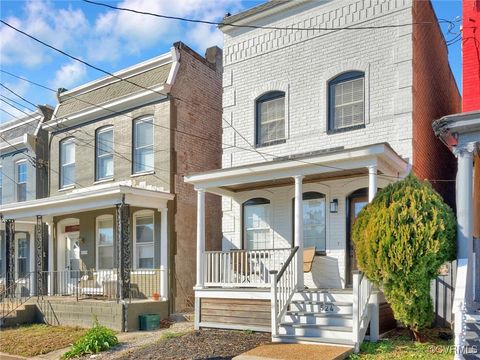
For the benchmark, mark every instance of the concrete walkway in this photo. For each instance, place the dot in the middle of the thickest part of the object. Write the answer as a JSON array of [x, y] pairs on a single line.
[[278, 351]]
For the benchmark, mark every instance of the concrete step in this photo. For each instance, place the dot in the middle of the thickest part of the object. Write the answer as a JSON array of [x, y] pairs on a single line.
[[300, 317], [317, 331], [321, 307], [312, 340], [324, 295]]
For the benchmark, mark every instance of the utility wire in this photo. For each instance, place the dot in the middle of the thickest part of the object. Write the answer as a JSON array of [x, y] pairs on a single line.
[[16, 102], [16, 94]]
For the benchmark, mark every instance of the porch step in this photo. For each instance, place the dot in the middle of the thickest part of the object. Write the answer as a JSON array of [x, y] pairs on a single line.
[[322, 307], [312, 340], [316, 331], [336, 295], [302, 317]]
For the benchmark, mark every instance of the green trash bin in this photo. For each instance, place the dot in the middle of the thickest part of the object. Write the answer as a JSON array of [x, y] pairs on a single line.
[[149, 322]]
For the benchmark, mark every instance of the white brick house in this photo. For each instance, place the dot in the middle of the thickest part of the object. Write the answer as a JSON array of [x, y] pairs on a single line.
[[332, 114]]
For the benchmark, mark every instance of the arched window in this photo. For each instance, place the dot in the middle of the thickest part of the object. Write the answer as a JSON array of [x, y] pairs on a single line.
[[257, 233], [104, 153], [314, 229], [270, 118], [347, 101], [67, 162]]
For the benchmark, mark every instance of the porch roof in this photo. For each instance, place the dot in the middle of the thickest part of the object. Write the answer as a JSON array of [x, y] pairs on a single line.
[[89, 198], [327, 165]]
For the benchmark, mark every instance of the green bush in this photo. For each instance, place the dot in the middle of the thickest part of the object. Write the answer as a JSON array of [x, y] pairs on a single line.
[[401, 239], [98, 338]]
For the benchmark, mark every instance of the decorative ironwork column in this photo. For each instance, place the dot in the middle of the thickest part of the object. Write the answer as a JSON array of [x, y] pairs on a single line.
[[10, 252], [39, 254], [123, 248]]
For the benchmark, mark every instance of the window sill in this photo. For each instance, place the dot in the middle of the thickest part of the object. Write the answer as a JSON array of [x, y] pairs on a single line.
[[341, 130], [276, 142], [66, 188], [101, 181], [152, 172]]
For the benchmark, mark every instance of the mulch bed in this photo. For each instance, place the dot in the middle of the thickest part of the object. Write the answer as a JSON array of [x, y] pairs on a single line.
[[202, 344]]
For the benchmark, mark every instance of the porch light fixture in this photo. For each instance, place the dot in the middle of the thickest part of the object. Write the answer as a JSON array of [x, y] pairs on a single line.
[[334, 206]]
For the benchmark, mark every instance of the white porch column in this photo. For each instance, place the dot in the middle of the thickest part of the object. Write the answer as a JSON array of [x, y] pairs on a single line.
[[299, 228], [164, 254], [372, 182], [200, 236], [464, 203]]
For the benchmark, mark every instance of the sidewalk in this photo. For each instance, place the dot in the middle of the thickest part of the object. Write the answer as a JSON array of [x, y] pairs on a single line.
[[279, 351]]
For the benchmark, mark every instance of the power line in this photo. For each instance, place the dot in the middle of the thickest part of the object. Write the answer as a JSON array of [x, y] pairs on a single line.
[[16, 102], [16, 94], [291, 28]]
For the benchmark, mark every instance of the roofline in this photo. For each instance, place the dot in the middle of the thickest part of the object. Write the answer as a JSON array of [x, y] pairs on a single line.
[[37, 115], [124, 73]]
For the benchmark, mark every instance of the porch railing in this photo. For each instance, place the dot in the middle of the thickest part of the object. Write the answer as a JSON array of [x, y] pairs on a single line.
[[15, 295], [284, 283], [242, 268], [460, 307], [362, 289]]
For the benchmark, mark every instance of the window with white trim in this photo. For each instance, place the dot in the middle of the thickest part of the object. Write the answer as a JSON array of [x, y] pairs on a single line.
[[23, 254], [1, 185], [270, 118], [67, 162], [144, 235], [21, 175], [104, 237], [143, 158], [314, 230], [256, 219], [104, 153], [347, 101]]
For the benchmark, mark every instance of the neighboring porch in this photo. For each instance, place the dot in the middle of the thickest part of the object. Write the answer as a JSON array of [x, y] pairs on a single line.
[[107, 243], [286, 230]]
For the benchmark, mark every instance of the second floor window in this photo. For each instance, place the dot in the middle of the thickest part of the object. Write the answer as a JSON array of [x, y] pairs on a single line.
[[104, 153], [143, 159], [347, 101], [67, 162], [21, 180], [270, 118]]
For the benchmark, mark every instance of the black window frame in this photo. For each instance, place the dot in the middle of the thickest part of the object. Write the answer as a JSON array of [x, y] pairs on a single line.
[[271, 95], [346, 76], [253, 201]]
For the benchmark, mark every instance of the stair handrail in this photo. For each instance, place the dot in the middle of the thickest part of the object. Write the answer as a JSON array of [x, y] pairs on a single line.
[[283, 285], [459, 307], [6, 298], [362, 290]]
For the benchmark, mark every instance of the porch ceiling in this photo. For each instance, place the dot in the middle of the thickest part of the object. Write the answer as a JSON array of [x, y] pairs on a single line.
[[326, 166], [90, 198]]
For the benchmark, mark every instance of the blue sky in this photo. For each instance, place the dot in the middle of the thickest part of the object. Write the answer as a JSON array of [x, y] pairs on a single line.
[[113, 40]]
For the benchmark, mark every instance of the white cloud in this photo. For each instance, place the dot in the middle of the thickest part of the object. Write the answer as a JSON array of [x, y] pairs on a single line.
[[69, 75], [21, 89]]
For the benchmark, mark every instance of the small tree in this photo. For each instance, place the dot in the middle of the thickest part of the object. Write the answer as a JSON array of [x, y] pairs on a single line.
[[401, 239]]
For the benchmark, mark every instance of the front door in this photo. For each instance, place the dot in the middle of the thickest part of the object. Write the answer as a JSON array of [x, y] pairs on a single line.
[[72, 256], [356, 203]]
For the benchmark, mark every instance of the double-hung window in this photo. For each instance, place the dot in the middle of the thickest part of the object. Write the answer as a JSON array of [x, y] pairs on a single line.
[[104, 153], [21, 169], [1, 185], [105, 242], [23, 257], [257, 232], [270, 118], [67, 162], [144, 240], [143, 159], [314, 233], [347, 101]]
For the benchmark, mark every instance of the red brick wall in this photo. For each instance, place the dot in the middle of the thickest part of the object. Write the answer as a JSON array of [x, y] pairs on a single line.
[[434, 95], [471, 55], [197, 109]]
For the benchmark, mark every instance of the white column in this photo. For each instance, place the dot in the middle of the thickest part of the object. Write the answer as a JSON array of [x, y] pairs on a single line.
[[200, 236], [164, 254], [372, 182], [464, 203], [299, 229], [51, 255]]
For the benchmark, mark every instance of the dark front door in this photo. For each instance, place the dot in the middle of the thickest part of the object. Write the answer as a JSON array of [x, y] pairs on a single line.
[[356, 203]]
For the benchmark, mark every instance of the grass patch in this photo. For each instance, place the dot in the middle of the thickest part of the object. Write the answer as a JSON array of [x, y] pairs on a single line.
[[37, 339], [400, 346], [171, 335]]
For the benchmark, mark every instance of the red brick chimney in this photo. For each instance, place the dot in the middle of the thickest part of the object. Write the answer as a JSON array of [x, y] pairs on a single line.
[[471, 55]]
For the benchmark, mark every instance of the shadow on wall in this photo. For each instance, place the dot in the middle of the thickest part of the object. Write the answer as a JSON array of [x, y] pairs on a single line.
[[324, 273]]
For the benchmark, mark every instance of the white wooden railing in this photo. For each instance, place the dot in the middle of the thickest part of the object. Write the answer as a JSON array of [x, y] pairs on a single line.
[[460, 307], [242, 268], [284, 284], [362, 290]]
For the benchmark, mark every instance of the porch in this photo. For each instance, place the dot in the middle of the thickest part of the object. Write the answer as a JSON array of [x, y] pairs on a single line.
[[286, 242]]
